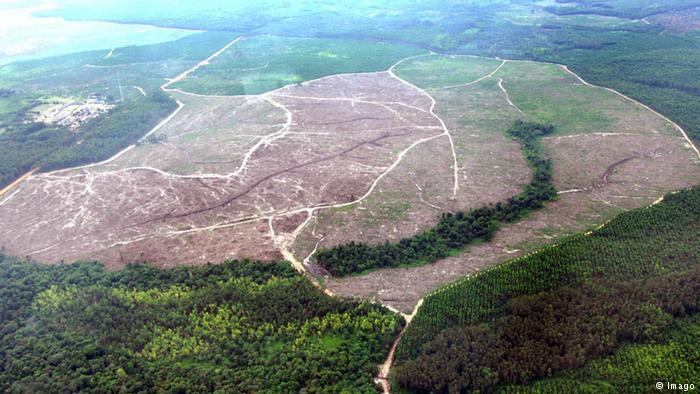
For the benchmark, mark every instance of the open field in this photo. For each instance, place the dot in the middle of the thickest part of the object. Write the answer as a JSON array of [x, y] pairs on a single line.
[[262, 63], [626, 158], [309, 147], [365, 157]]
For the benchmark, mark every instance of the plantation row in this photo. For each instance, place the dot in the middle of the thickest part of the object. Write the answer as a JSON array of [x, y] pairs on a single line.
[[236, 327], [453, 231], [654, 242]]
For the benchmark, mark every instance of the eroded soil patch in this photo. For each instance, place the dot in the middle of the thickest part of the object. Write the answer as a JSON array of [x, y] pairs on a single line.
[[193, 193]]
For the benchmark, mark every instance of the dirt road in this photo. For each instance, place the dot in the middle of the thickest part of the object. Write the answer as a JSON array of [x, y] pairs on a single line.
[[17, 181]]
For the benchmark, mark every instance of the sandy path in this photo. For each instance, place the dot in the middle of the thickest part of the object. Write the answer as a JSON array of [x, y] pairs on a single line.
[[16, 182], [385, 367]]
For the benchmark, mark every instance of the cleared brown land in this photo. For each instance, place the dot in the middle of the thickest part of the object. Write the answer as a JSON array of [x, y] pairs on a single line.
[[365, 157], [232, 177], [610, 155], [490, 167]]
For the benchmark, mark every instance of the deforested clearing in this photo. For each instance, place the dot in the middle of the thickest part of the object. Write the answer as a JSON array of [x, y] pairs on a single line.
[[366, 157]]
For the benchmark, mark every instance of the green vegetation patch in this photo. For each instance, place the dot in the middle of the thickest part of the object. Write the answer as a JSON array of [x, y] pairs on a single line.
[[673, 360], [259, 64], [652, 248], [434, 71], [240, 326]]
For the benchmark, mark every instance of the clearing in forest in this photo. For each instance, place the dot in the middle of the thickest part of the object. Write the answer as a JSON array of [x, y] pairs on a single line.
[[353, 157], [609, 154]]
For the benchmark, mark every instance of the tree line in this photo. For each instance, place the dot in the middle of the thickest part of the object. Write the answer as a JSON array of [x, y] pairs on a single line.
[[24, 146], [454, 230], [560, 307]]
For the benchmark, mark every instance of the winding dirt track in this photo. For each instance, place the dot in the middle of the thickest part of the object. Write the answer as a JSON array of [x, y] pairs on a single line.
[[413, 117]]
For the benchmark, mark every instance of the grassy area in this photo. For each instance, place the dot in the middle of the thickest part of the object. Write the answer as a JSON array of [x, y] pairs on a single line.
[[546, 93], [429, 72], [263, 63]]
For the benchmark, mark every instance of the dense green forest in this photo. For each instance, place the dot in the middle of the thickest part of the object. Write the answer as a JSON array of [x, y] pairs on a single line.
[[552, 331], [555, 309], [24, 146], [673, 359], [454, 230], [240, 326]]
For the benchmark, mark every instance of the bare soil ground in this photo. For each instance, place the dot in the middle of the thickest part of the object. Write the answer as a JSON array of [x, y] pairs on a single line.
[[609, 155], [308, 147], [365, 157], [491, 168]]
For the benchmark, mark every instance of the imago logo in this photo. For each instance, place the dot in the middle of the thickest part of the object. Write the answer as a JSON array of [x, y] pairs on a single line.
[[675, 386]]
